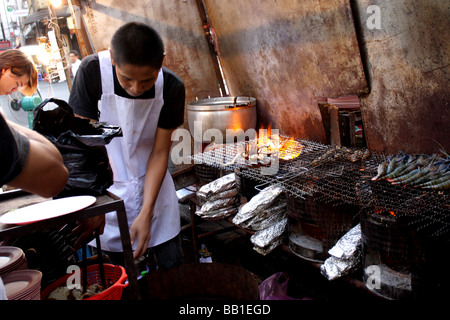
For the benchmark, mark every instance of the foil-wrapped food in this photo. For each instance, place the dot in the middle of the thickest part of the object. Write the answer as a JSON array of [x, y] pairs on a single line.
[[218, 214], [268, 239], [219, 198], [266, 214], [217, 186], [345, 255], [269, 248], [267, 217], [257, 204], [217, 204], [224, 194]]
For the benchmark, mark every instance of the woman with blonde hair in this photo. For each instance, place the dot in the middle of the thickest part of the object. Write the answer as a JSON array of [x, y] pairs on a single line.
[[17, 72]]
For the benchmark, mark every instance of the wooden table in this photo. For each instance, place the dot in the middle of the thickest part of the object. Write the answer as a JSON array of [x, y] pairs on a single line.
[[104, 204]]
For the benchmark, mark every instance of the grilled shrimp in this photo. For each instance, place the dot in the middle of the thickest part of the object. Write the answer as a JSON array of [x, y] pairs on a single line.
[[400, 173], [441, 183], [381, 170], [412, 176]]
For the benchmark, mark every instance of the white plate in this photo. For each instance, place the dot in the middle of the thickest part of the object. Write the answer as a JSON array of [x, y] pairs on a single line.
[[46, 210]]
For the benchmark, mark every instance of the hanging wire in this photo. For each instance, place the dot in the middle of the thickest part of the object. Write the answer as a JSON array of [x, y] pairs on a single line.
[[60, 42]]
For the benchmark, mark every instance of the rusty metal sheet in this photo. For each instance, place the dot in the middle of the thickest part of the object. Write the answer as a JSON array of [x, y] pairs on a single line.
[[285, 54], [408, 59], [180, 26]]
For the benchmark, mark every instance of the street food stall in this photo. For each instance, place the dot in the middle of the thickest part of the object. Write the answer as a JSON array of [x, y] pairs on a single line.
[[337, 148]]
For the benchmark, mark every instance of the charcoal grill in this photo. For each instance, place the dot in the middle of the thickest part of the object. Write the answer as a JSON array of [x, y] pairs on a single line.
[[334, 179], [337, 181], [401, 225], [315, 227]]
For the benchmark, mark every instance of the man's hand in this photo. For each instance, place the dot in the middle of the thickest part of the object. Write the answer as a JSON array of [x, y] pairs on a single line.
[[140, 232], [86, 228]]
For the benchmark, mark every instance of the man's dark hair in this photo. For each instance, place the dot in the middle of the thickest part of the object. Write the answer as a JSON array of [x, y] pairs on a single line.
[[138, 44]]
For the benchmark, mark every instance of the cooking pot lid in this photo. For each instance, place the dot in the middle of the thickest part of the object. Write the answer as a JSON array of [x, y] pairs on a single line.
[[222, 103]]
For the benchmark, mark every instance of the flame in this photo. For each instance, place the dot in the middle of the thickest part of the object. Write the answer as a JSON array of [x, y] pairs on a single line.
[[287, 148], [290, 149], [263, 135]]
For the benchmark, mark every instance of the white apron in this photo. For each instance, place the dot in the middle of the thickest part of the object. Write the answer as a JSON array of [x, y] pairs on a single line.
[[128, 156]]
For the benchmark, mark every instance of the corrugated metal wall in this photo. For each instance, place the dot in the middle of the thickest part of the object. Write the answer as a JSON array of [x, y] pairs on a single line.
[[178, 22], [408, 71], [285, 53]]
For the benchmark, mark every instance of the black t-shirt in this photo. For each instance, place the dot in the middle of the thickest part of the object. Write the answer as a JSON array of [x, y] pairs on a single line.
[[14, 149], [87, 90]]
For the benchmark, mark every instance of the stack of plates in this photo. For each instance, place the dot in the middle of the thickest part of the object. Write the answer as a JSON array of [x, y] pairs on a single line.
[[11, 259], [23, 285]]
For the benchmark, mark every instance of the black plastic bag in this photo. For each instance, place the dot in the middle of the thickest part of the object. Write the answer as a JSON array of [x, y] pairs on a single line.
[[82, 146]]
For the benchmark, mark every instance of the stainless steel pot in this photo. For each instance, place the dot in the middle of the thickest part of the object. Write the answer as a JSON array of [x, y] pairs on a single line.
[[221, 113]]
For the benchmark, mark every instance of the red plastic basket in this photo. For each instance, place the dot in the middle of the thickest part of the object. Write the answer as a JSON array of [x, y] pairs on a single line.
[[113, 274]]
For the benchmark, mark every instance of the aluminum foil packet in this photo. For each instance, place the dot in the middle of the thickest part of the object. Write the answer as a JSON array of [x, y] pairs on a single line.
[[230, 193], [265, 237], [257, 204], [266, 223], [345, 255], [217, 204], [334, 268], [266, 218], [218, 214], [264, 251], [277, 206], [348, 245], [217, 186]]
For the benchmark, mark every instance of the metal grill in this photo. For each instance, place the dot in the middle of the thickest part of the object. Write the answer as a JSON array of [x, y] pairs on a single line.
[[336, 180]]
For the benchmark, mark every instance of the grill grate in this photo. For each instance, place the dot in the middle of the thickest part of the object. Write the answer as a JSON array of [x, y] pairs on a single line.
[[336, 180]]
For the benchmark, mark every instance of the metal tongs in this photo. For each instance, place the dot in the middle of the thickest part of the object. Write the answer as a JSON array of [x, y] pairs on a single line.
[[99, 259]]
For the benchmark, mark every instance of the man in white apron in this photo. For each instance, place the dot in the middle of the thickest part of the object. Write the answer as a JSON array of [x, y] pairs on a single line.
[[147, 102]]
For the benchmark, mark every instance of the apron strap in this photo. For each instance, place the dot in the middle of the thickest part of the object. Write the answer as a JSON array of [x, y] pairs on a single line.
[[159, 85], [106, 72]]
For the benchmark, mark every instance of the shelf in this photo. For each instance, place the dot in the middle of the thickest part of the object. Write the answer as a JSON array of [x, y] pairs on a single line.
[[104, 204]]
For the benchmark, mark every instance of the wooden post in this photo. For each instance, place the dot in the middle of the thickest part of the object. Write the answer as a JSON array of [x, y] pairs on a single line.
[[80, 31], [60, 46], [335, 137]]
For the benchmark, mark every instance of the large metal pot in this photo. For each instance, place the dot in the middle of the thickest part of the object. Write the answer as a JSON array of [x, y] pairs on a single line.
[[221, 113]]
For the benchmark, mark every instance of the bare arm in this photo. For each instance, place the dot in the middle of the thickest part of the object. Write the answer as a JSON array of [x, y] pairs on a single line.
[[44, 173], [156, 170]]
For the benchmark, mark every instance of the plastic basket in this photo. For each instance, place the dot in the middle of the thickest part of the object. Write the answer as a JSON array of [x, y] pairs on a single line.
[[113, 274]]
